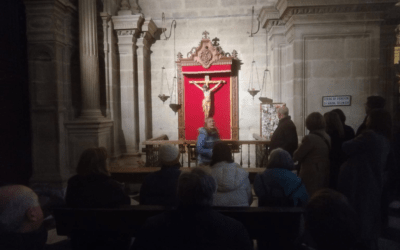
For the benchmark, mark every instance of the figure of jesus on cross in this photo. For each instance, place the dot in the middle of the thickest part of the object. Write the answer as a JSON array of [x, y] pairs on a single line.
[[207, 93]]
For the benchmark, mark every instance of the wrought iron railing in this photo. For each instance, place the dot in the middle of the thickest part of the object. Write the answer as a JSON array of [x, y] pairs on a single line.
[[248, 153]]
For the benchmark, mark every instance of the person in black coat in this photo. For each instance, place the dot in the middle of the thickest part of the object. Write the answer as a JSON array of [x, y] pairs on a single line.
[[373, 102], [93, 187], [159, 188], [194, 224], [349, 133], [335, 130], [285, 135]]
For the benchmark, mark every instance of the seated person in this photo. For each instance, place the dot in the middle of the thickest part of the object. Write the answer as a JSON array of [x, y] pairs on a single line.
[[93, 187], [233, 184], [21, 219], [194, 224], [159, 188], [331, 221], [277, 185], [208, 135]]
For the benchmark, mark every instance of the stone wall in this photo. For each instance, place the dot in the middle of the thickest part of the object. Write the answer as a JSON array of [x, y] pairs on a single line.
[[230, 21], [329, 49]]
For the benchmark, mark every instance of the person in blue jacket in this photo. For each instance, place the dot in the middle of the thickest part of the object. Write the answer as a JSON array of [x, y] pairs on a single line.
[[208, 135]]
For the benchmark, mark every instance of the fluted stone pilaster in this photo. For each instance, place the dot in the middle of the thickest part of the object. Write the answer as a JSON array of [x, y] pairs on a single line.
[[144, 78], [89, 59], [128, 29]]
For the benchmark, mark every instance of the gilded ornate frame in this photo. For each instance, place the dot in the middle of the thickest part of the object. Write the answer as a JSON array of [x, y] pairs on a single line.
[[206, 54]]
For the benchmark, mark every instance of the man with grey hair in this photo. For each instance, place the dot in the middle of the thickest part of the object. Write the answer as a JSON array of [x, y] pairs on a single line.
[[285, 135], [194, 224], [21, 219]]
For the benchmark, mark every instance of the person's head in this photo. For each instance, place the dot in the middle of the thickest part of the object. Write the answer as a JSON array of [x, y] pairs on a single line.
[[315, 121], [331, 220], [196, 188], [20, 210], [280, 158], [205, 87], [209, 123], [341, 114], [221, 152], [374, 102], [168, 155], [283, 112], [333, 123], [93, 161], [380, 121]]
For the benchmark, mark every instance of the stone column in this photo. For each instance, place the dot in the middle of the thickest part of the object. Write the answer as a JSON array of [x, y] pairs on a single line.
[[144, 76], [50, 40], [128, 29], [91, 129], [89, 60]]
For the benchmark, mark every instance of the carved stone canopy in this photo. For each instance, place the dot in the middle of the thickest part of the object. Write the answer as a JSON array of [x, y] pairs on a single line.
[[208, 53]]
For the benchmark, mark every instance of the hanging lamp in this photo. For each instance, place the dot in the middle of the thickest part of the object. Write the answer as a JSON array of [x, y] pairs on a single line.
[[162, 96], [174, 105], [252, 91], [266, 78]]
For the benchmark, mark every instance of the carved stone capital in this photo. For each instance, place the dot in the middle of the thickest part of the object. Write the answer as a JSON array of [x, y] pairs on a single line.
[[268, 14], [128, 22], [49, 20], [149, 27]]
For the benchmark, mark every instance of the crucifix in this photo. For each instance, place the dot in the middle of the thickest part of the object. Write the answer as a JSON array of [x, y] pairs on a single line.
[[207, 93]]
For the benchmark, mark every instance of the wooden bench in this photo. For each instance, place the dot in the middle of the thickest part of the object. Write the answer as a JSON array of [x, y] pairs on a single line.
[[264, 222], [138, 175]]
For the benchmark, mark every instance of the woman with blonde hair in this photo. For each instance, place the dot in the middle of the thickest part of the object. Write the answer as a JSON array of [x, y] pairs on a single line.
[[313, 154], [208, 135]]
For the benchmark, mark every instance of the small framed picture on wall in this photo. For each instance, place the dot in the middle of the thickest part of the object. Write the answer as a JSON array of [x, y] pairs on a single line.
[[269, 119]]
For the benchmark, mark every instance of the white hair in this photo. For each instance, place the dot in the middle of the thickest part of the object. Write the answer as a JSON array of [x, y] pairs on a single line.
[[283, 110], [14, 208]]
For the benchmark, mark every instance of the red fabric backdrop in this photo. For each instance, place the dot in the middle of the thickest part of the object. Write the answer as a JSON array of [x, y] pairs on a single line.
[[220, 103]]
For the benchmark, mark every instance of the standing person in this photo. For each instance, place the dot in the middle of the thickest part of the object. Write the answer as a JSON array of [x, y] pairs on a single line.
[[285, 135], [21, 219], [373, 102], [208, 135], [233, 184], [313, 154], [194, 224], [332, 222], [159, 188], [349, 133], [93, 187], [335, 130], [362, 176]]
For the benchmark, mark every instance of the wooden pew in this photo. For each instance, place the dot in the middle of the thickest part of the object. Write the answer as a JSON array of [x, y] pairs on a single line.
[[261, 222]]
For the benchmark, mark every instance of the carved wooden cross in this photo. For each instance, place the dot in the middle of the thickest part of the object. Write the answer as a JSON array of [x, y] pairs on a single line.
[[206, 81], [205, 33], [206, 103]]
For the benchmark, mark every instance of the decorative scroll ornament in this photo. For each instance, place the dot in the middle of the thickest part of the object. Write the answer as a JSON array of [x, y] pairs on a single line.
[[206, 56]]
